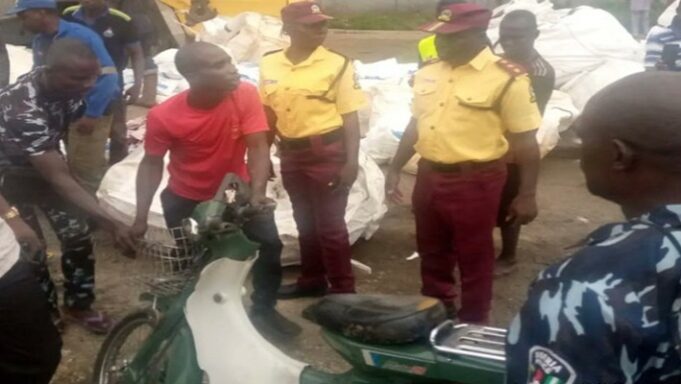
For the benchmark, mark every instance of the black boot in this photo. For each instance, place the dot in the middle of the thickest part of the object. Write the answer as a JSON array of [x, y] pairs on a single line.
[[294, 291], [270, 323]]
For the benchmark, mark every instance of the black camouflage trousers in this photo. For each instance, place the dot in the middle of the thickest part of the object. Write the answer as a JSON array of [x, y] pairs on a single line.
[[77, 259]]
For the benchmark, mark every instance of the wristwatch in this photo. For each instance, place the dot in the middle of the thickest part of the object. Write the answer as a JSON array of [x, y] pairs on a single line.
[[13, 213]]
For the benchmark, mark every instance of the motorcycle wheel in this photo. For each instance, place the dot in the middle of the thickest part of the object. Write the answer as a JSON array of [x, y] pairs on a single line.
[[121, 345]]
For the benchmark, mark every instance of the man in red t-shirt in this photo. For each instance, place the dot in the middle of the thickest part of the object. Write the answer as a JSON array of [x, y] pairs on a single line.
[[208, 131]]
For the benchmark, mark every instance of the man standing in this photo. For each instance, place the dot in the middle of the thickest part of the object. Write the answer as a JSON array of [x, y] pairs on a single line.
[[34, 115], [87, 139], [517, 34], [30, 346], [208, 131], [663, 47], [4, 65], [640, 18], [123, 44], [468, 110], [610, 312]]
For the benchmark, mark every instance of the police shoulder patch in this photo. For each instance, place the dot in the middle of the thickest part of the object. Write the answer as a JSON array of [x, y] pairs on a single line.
[[511, 68], [546, 367]]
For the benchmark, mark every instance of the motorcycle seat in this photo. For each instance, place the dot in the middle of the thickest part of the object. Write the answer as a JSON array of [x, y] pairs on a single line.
[[378, 319]]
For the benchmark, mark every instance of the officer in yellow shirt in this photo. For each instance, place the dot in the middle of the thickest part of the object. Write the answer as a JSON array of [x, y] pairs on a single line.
[[427, 49], [465, 106], [312, 99]]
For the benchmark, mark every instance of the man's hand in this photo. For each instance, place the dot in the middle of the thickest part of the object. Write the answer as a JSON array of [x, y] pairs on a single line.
[[86, 125], [261, 202], [392, 187], [139, 229], [132, 95], [347, 176], [125, 239], [26, 236], [523, 210]]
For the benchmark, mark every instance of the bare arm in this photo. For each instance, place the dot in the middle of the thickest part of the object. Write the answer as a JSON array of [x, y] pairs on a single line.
[[23, 233], [526, 151], [258, 164], [137, 58], [53, 168], [406, 150], [149, 176], [352, 136]]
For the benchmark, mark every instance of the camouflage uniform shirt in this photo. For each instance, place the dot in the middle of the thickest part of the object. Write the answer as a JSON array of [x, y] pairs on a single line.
[[611, 313], [30, 123]]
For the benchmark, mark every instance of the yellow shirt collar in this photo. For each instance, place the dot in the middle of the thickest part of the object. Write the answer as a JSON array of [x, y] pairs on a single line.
[[318, 55], [482, 59]]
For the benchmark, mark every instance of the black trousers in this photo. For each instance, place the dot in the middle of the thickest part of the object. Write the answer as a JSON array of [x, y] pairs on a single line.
[[262, 229], [30, 345]]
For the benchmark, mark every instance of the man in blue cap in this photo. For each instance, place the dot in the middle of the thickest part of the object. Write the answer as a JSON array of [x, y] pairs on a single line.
[[87, 138], [42, 17]]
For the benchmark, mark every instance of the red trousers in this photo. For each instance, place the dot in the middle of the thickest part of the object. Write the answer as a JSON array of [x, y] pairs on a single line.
[[455, 216], [319, 211]]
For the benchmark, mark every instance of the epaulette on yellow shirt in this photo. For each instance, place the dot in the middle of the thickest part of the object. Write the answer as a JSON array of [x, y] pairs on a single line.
[[464, 113], [311, 97]]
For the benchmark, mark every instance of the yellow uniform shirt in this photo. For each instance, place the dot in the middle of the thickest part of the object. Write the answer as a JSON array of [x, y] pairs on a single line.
[[428, 50], [461, 114], [287, 88]]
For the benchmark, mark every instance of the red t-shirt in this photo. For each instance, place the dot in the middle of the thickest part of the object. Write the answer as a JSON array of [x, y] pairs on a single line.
[[204, 145]]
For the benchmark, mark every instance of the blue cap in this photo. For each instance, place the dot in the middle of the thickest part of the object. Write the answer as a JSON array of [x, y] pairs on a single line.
[[25, 5]]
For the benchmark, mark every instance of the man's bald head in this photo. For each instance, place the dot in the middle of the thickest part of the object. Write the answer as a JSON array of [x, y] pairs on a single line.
[[64, 53], [207, 68], [631, 142], [193, 56], [71, 70], [642, 110]]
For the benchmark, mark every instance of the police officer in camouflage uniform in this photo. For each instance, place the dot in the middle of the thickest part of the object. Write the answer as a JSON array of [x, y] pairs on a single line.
[[611, 313], [34, 115]]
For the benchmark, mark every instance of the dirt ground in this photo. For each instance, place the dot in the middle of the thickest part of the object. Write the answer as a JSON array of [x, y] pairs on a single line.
[[568, 213]]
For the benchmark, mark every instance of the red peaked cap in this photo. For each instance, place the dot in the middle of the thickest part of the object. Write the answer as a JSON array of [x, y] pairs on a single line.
[[456, 18], [304, 12]]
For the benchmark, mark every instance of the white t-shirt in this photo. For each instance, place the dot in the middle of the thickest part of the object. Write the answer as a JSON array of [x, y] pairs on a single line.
[[9, 248]]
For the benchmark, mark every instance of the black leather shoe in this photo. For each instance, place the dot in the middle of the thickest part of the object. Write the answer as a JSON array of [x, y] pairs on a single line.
[[293, 291], [271, 324]]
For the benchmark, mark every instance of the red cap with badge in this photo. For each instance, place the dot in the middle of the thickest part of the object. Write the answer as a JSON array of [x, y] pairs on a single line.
[[461, 17], [304, 12]]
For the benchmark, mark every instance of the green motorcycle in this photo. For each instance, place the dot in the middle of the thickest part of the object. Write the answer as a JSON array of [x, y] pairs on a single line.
[[196, 329]]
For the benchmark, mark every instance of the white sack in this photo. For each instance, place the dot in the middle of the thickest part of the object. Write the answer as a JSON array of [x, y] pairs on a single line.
[[20, 61], [247, 36], [667, 16], [366, 205]]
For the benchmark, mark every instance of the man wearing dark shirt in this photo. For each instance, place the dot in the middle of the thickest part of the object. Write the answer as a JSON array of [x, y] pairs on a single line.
[[122, 42], [4, 65], [517, 34], [611, 312], [35, 113]]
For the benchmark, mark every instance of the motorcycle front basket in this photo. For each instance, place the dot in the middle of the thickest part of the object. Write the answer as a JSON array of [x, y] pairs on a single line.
[[166, 262]]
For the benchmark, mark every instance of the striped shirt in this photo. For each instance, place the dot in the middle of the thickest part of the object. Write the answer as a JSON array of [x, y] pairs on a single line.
[[658, 38]]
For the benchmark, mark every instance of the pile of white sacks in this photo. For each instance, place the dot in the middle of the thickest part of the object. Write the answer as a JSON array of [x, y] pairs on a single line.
[[588, 47]]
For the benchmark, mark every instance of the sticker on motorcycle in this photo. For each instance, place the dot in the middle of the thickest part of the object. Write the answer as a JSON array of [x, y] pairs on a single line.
[[546, 367]]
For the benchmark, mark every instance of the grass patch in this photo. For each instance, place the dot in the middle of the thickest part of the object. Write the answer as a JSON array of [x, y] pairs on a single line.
[[382, 22]]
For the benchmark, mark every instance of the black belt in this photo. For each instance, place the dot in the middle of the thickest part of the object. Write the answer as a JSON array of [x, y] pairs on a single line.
[[306, 142], [463, 167]]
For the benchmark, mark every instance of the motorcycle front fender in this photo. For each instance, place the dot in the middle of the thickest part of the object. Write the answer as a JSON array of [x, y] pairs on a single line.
[[228, 347]]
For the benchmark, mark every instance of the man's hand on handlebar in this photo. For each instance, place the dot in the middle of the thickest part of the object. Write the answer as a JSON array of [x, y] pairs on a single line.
[[262, 202]]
